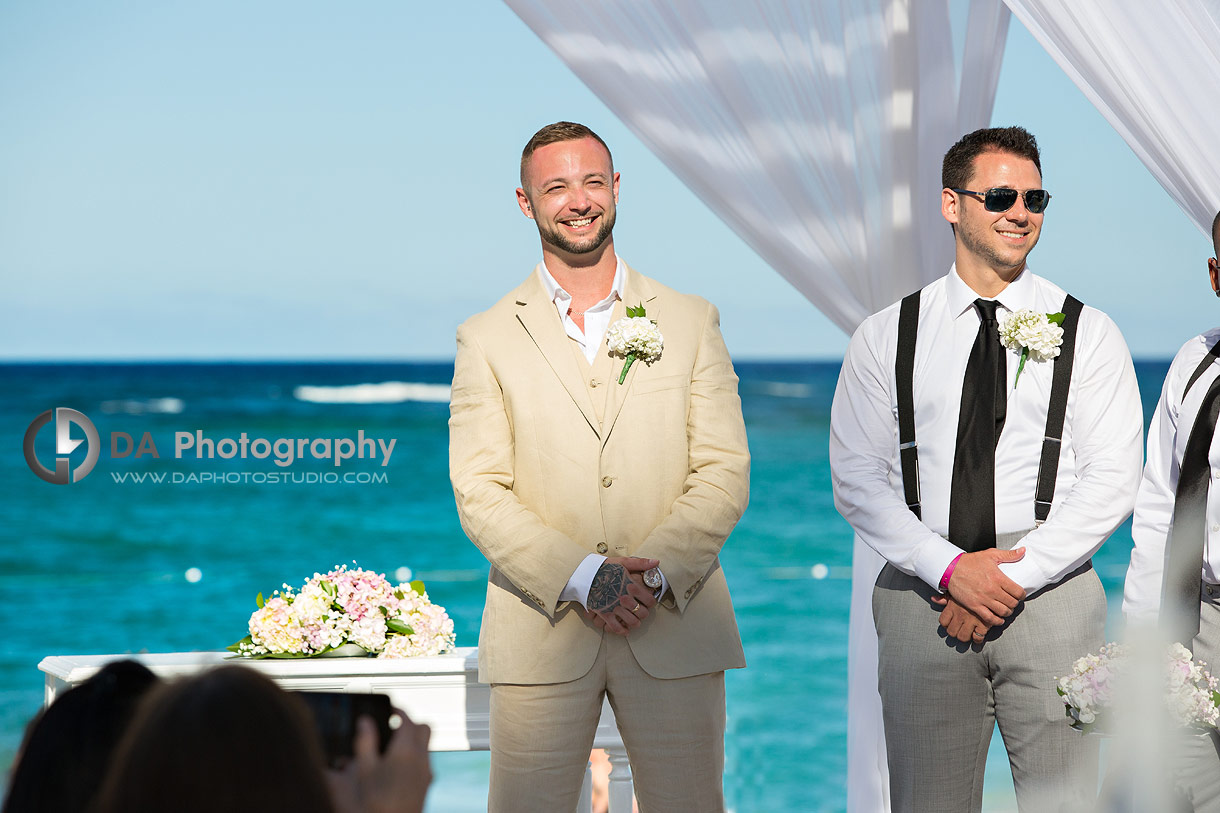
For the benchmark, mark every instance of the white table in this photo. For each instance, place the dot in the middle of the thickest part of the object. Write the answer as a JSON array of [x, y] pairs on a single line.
[[442, 691]]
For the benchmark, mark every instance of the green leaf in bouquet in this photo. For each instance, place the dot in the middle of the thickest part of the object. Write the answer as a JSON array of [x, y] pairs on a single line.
[[329, 588], [236, 647], [637, 311], [1055, 318], [396, 625], [418, 586], [259, 601]]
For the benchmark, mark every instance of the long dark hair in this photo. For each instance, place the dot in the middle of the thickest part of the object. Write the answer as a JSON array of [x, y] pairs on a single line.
[[68, 747], [228, 739]]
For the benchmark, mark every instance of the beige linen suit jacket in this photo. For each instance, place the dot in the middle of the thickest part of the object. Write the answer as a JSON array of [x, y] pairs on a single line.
[[543, 476]]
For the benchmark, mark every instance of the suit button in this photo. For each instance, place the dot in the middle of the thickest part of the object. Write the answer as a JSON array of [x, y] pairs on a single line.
[[595, 383], [601, 547], [606, 481]]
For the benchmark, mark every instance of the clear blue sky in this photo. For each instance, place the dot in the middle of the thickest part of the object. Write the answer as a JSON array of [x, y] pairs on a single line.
[[321, 180]]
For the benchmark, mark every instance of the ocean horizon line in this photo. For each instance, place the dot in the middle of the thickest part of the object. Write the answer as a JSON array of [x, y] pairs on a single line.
[[303, 360]]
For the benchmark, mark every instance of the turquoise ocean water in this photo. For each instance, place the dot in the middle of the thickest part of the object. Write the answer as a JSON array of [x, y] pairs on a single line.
[[100, 566]]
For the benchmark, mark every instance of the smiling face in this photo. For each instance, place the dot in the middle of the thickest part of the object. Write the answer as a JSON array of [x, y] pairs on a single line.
[[570, 192], [992, 246]]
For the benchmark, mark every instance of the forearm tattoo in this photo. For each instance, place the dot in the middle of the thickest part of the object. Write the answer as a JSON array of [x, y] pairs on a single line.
[[609, 583]]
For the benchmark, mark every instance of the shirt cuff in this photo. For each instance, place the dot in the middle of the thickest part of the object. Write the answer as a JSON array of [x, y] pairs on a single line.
[[660, 591], [933, 559], [577, 588], [1025, 573]]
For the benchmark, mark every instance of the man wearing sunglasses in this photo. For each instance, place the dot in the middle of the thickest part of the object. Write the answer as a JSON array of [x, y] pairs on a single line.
[[986, 450]]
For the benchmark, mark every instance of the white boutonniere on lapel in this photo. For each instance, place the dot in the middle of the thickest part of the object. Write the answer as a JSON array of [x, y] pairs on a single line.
[[635, 336], [1036, 335]]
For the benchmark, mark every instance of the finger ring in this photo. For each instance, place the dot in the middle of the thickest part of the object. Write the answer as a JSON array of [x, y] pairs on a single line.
[[636, 607]]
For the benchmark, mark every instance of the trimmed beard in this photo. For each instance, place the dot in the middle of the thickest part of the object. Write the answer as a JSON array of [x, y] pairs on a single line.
[[563, 243]]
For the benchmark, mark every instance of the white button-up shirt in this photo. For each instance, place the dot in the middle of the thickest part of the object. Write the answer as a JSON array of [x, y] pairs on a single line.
[[1167, 434], [597, 318], [1100, 456]]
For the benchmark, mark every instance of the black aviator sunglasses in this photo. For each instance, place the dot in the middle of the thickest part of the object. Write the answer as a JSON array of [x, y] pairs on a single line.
[[1001, 199]]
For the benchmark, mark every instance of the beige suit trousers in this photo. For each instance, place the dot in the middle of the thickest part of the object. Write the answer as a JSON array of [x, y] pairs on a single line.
[[541, 736]]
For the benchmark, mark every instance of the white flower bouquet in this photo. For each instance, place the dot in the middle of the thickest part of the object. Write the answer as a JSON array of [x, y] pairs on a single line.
[[635, 336], [353, 611], [1090, 691], [1037, 335]]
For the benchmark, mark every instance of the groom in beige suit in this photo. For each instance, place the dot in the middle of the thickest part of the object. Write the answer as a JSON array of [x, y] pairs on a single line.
[[601, 500]]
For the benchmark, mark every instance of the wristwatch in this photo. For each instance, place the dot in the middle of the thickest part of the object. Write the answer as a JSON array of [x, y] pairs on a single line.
[[652, 578]]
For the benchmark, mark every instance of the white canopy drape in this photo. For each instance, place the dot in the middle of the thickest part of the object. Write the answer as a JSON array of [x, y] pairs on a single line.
[[1153, 70], [816, 131]]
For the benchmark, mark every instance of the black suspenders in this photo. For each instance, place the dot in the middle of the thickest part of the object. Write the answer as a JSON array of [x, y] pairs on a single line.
[[1048, 467], [1200, 370], [904, 376]]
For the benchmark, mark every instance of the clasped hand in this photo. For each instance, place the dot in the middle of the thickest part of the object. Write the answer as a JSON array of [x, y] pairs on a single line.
[[618, 598], [980, 596]]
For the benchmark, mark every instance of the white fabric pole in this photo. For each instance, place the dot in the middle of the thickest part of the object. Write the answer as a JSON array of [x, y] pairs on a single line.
[[815, 130], [1153, 70]]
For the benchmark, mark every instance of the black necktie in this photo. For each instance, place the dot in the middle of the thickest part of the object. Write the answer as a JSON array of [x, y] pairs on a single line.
[[1180, 591], [979, 422]]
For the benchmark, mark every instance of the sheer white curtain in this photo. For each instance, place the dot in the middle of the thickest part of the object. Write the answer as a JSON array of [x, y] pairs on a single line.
[[1153, 70], [815, 130]]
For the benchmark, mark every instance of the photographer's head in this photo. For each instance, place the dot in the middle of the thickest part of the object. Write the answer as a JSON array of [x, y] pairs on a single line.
[[228, 739], [68, 749]]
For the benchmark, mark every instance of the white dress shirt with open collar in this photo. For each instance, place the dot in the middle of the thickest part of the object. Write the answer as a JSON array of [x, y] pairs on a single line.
[[1099, 465], [597, 318]]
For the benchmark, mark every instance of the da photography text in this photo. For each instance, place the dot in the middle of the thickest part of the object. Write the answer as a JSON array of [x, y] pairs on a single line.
[[283, 451]]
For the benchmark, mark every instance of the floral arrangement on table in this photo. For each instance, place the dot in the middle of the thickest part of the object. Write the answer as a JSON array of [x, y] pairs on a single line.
[[347, 612], [635, 336], [1191, 698], [1036, 335]]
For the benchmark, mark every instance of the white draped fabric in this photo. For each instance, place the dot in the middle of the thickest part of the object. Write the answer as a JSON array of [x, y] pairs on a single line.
[[816, 131], [1153, 70]]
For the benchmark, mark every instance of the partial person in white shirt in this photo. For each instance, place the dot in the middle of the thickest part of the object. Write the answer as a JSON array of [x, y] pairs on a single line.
[[985, 598], [1191, 378]]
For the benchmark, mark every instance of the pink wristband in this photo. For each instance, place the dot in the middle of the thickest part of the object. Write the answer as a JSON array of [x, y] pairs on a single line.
[[944, 580]]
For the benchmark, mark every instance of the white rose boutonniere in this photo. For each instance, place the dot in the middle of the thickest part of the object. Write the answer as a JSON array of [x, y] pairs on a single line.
[[635, 336], [1036, 335]]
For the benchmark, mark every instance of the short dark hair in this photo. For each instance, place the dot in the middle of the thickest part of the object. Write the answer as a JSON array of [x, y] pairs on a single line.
[[1216, 234], [555, 133], [958, 166]]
